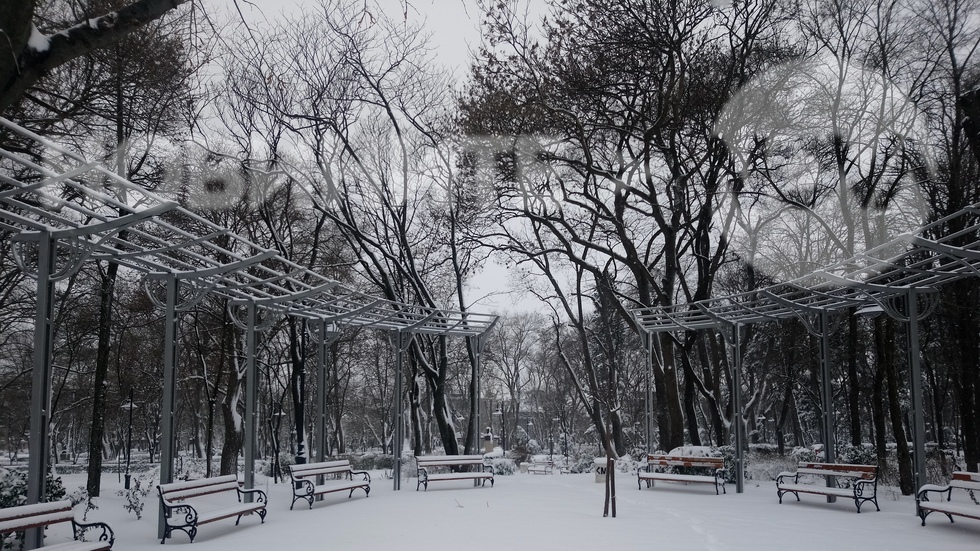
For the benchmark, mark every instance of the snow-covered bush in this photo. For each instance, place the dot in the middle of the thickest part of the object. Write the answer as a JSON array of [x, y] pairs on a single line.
[[503, 466], [13, 493], [139, 487], [803, 454], [858, 455]]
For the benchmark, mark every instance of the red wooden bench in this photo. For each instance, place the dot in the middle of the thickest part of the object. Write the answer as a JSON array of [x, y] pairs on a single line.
[[863, 482], [664, 468], [961, 481], [185, 517], [305, 488], [24, 517], [461, 467]]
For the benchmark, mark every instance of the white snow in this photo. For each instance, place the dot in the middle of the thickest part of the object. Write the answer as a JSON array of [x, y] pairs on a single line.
[[38, 41], [561, 511]]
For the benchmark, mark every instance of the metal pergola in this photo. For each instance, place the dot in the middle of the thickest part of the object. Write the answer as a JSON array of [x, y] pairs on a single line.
[[890, 278], [60, 210]]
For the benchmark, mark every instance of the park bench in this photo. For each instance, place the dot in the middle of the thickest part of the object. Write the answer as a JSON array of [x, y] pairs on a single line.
[[310, 480], [541, 466], [186, 517], [863, 482], [25, 517], [460, 468], [665, 468], [961, 481]]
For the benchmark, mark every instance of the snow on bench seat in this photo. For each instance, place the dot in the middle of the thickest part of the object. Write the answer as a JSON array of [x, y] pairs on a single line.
[[185, 517], [24, 517], [460, 468], [961, 480], [658, 465], [305, 488], [863, 485]]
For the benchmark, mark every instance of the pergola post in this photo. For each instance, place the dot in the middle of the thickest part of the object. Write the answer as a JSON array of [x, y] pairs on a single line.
[[402, 341], [736, 343], [325, 338], [251, 396], [168, 405], [476, 342], [41, 381], [827, 398], [648, 390], [915, 379]]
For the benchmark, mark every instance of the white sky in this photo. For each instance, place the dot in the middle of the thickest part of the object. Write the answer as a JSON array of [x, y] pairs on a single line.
[[454, 24], [455, 34]]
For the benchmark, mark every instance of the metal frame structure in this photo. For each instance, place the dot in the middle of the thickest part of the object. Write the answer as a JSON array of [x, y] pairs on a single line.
[[891, 277], [60, 210]]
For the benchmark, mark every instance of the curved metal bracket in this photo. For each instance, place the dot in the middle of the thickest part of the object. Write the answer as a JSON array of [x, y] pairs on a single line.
[[78, 250], [238, 317], [190, 294]]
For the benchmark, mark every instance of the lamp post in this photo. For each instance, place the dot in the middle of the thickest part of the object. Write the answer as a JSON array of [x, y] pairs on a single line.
[[129, 406], [500, 413]]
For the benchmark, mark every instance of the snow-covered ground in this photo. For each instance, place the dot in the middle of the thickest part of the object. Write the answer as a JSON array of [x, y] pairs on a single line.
[[541, 512]]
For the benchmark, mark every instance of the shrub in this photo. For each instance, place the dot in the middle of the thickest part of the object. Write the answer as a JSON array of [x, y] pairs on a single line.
[[13, 493], [504, 466], [139, 488], [859, 455]]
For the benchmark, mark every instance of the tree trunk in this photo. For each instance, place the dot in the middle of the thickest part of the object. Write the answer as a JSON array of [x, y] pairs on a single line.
[[854, 388], [885, 341], [297, 387], [97, 433], [671, 419]]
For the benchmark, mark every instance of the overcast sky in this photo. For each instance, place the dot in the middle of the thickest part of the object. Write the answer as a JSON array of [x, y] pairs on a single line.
[[454, 24], [455, 33]]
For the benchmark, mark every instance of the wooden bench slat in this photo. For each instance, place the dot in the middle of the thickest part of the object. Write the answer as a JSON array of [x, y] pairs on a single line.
[[184, 516], [864, 487], [425, 462], [79, 546], [655, 461], [941, 503], [305, 488], [14, 519]]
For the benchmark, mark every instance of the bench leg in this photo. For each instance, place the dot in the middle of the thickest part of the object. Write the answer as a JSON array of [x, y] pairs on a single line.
[[780, 493]]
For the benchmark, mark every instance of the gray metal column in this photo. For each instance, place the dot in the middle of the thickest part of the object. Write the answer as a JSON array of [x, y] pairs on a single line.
[[737, 406], [477, 344], [915, 380], [398, 434], [168, 406], [648, 391], [251, 396], [41, 382], [827, 398], [326, 336]]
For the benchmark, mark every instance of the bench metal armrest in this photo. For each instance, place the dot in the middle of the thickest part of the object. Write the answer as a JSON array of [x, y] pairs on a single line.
[[365, 474], [302, 487], [787, 474], [261, 497], [80, 528], [861, 483], [488, 467], [172, 509], [923, 493], [423, 474]]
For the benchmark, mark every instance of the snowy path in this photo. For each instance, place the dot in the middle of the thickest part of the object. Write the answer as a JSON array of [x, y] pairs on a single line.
[[553, 512]]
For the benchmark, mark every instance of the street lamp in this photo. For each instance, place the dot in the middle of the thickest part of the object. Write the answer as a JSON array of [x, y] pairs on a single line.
[[129, 406], [500, 413]]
